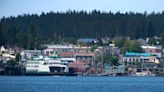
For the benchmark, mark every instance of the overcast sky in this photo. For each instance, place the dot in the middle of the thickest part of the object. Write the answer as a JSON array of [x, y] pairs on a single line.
[[16, 7]]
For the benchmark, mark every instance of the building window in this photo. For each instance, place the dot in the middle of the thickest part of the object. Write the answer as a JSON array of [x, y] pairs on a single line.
[[141, 59], [88, 58], [83, 58], [78, 58]]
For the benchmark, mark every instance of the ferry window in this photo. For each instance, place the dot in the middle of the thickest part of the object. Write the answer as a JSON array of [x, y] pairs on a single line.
[[88, 58], [125, 62], [78, 58], [83, 58], [130, 63], [52, 52], [36, 66], [133, 63], [47, 53], [28, 65]]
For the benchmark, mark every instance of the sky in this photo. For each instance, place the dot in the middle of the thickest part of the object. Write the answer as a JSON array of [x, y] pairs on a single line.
[[19, 7]]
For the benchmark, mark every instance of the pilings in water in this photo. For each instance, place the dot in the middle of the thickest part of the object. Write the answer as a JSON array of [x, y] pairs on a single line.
[[14, 70]]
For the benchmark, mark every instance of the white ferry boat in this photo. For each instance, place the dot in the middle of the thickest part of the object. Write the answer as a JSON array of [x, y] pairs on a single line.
[[47, 65]]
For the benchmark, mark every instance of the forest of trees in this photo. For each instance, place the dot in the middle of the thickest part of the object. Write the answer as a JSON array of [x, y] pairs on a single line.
[[29, 31]]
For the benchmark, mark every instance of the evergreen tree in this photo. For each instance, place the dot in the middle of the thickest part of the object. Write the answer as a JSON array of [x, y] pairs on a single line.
[[29, 31]]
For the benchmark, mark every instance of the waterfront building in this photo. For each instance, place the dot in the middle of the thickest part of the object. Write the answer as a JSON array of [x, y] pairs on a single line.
[[6, 54], [77, 68], [144, 60], [153, 50], [60, 49], [113, 70], [85, 57], [80, 53], [67, 54]]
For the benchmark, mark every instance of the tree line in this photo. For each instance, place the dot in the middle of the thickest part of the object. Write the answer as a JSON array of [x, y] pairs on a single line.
[[29, 31]]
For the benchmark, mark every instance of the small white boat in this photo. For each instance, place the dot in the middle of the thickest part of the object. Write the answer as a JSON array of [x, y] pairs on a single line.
[[143, 73]]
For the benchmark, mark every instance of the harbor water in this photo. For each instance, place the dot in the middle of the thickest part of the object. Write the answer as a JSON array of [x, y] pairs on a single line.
[[80, 84]]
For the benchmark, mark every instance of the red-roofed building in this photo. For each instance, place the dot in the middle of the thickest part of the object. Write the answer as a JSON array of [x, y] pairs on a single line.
[[83, 57], [77, 68], [67, 54]]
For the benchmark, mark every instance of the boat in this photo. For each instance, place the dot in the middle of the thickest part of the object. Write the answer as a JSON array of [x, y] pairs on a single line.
[[46, 66], [143, 73]]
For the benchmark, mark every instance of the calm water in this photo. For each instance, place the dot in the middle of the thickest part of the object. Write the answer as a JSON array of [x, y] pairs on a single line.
[[80, 84]]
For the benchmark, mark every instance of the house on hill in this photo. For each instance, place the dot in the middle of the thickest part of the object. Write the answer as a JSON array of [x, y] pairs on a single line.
[[87, 40]]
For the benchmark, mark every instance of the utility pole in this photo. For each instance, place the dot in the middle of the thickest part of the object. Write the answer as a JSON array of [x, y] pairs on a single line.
[[102, 55]]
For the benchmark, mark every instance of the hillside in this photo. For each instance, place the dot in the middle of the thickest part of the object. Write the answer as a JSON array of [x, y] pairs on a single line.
[[29, 31]]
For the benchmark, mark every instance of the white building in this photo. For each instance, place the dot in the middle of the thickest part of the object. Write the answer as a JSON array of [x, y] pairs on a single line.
[[139, 60], [153, 50], [58, 49]]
